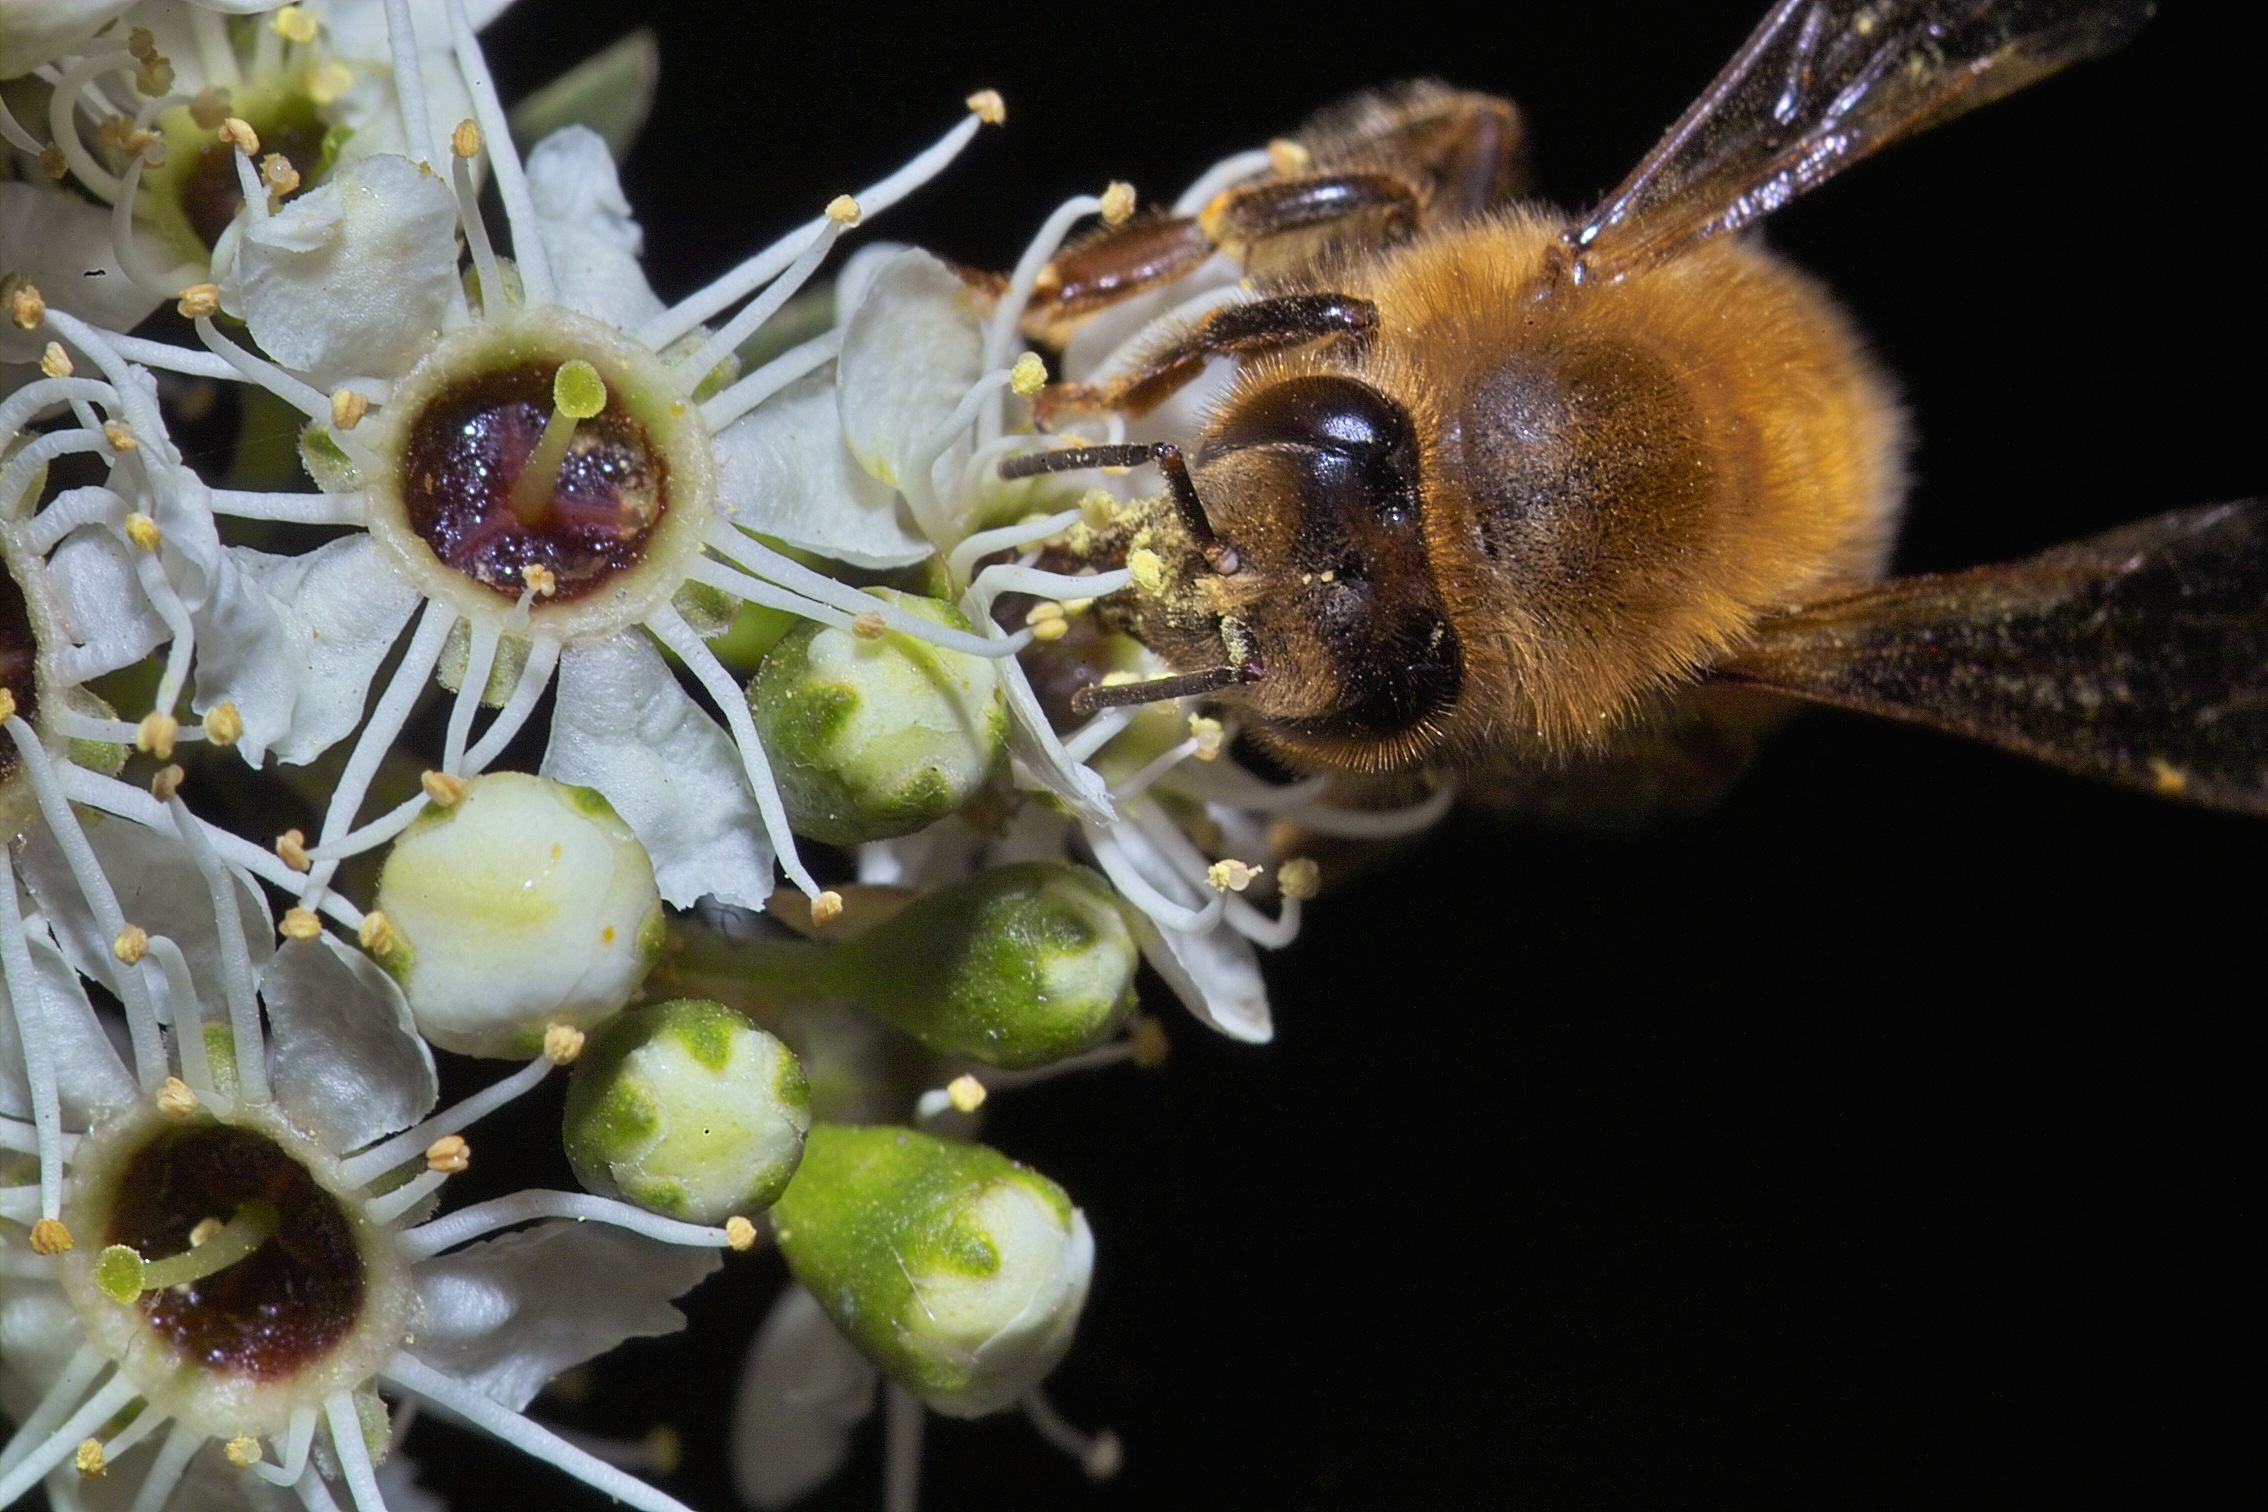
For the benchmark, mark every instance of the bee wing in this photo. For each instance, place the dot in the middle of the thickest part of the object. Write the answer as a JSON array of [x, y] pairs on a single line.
[[1819, 85], [2140, 656]]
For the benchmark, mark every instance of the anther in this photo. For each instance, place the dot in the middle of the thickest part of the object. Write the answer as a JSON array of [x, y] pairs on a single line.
[[843, 210], [965, 1093], [50, 1237], [868, 626], [577, 393], [989, 107], [146, 145], [1147, 1045], [1286, 157], [143, 532], [294, 24], [25, 308], [53, 163], [1207, 732], [88, 1460], [739, 1232], [562, 1043], [449, 1154], [1028, 376], [1299, 878], [1117, 203], [1098, 507], [291, 850], [243, 1451], [223, 725], [54, 362], [826, 908], [132, 943], [444, 788], [1047, 621], [328, 80], [205, 1231], [166, 783], [375, 933], [176, 1098], [7, 706], [280, 176], [300, 923], [465, 140], [238, 133], [155, 734], [1148, 569], [210, 108], [141, 44], [1231, 875], [198, 301], [119, 434], [541, 580]]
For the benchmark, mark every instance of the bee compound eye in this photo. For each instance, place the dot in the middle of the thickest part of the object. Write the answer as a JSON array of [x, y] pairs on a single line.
[[1356, 447]]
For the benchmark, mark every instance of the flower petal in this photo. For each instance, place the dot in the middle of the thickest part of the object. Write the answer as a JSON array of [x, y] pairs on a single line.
[[89, 1076], [784, 471], [343, 1053], [623, 725], [350, 280], [508, 1314], [103, 609], [584, 222], [804, 1389], [911, 349], [33, 32], [293, 642], [1216, 974], [62, 244]]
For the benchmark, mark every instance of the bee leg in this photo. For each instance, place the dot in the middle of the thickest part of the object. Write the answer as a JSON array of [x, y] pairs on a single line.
[[1260, 325], [1244, 216]]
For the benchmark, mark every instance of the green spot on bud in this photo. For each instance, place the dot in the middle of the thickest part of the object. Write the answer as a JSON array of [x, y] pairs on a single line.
[[872, 737], [957, 1271], [687, 1109]]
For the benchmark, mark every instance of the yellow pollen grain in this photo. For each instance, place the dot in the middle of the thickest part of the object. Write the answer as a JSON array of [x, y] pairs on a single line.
[[1028, 376], [843, 210], [965, 1092], [1045, 609], [210, 108], [88, 1460], [166, 783], [2169, 780], [54, 362], [141, 44], [7, 706], [869, 625], [739, 1232], [1147, 1044], [53, 163], [1098, 508], [131, 944], [448, 1154], [291, 849], [375, 933], [198, 300], [562, 1043], [1230, 875], [143, 531], [25, 307], [300, 923], [1286, 157], [156, 733], [444, 788], [206, 1230], [1299, 878], [243, 1451], [294, 24], [328, 80], [238, 133], [223, 725], [988, 106], [1117, 203], [1051, 630], [465, 140], [540, 579], [1208, 734], [120, 435], [826, 908], [1148, 569], [176, 1098], [50, 1237]]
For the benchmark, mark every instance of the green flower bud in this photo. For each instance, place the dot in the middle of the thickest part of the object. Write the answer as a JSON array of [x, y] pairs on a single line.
[[687, 1109], [523, 903], [957, 1271], [881, 735]]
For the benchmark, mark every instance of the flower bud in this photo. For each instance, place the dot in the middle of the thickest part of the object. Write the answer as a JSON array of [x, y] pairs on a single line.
[[523, 904], [877, 735], [957, 1271], [1016, 966], [687, 1109]]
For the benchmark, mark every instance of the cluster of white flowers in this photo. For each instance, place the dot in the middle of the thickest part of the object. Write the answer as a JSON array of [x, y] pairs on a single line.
[[759, 577]]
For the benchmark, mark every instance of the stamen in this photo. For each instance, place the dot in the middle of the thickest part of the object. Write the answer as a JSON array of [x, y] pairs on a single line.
[[1134, 786], [65, 1440], [123, 1275], [346, 1424], [1005, 538], [705, 358], [1096, 733], [577, 393], [347, 408], [299, 924], [88, 1460], [1000, 334], [54, 362], [188, 1027], [1231, 875], [78, 1373], [175, 1099], [448, 1155], [25, 1000], [523, 1207], [503, 157], [442, 788], [362, 1169], [1100, 1455], [26, 307], [535, 676], [123, 240], [1375, 824], [739, 1233], [409, 81], [64, 101], [181, 1441], [720, 410], [1137, 889], [902, 1420], [562, 1044], [237, 976], [300, 508], [464, 145], [223, 725], [173, 359]]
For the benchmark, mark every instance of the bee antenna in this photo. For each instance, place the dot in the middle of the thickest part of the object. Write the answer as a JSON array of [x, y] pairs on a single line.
[[1087, 700], [1218, 553]]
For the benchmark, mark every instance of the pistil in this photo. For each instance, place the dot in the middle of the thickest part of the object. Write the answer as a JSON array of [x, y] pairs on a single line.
[[577, 393], [124, 1275]]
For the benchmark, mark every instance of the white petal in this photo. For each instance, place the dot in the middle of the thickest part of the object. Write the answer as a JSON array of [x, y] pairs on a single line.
[[1215, 974], [62, 244], [158, 888], [804, 1389], [33, 32], [623, 725], [508, 1314], [293, 642], [355, 33], [38, 1335], [584, 222], [350, 280], [343, 1054], [89, 1076], [910, 351], [784, 471], [102, 607]]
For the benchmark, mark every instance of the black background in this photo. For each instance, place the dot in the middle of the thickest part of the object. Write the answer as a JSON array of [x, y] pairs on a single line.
[[1875, 1138]]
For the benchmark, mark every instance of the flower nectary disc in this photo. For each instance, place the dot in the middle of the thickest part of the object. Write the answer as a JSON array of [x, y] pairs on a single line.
[[316, 1308], [620, 523]]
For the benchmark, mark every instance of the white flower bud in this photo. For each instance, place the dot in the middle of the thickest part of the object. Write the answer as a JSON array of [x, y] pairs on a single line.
[[524, 904]]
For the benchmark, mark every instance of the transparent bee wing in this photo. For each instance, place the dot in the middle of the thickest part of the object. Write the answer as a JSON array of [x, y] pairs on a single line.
[[2139, 656], [1819, 85]]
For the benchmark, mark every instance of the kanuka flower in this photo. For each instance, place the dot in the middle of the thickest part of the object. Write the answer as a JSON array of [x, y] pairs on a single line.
[[238, 1257]]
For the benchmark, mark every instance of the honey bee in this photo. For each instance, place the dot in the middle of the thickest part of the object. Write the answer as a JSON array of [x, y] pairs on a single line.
[[1495, 488]]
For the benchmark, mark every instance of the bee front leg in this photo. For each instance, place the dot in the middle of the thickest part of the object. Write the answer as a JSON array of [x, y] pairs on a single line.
[[1237, 330]]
